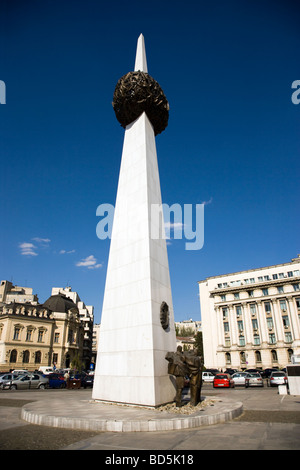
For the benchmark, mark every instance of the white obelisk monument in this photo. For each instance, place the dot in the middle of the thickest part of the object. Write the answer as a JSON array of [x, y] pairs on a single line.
[[131, 366]]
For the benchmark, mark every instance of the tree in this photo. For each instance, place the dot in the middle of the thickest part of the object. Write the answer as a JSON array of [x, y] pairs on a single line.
[[199, 344]]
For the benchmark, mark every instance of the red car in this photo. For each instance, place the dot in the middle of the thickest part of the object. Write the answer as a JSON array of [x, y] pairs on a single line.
[[223, 380]]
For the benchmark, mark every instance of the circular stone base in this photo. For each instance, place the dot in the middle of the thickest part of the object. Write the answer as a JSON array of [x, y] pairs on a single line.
[[87, 415]]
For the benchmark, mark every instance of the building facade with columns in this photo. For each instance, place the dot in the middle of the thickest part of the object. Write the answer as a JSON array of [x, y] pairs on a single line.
[[251, 319]]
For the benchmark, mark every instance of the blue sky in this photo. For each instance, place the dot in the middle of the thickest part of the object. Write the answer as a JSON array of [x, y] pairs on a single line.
[[232, 141]]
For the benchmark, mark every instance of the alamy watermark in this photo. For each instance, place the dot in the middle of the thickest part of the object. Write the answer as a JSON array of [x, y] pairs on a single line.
[[183, 221], [2, 92], [296, 94]]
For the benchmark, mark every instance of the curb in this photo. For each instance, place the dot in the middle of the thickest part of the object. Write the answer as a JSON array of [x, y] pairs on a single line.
[[86, 416]]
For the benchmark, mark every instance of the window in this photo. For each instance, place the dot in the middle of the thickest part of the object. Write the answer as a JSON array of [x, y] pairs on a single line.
[[242, 341], [298, 303], [274, 355], [288, 337], [260, 278], [238, 310], [256, 340], [29, 335], [13, 356], [265, 292], [227, 342], [243, 356], [16, 333], [250, 293], [275, 276], [240, 325], [225, 312], [286, 322], [267, 307], [280, 289], [297, 272], [272, 339], [254, 324], [290, 274], [282, 305], [266, 278], [227, 358], [296, 287], [41, 336], [270, 323], [252, 280], [281, 275], [257, 356], [252, 309], [38, 357], [56, 338], [25, 357], [226, 326], [236, 295], [71, 336]]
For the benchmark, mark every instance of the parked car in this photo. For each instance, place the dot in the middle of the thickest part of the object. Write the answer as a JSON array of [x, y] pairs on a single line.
[[207, 376], [46, 370], [277, 378], [20, 371], [239, 378], [230, 371], [88, 381], [253, 371], [223, 380], [56, 381], [213, 371], [27, 381], [4, 378], [254, 380], [267, 372]]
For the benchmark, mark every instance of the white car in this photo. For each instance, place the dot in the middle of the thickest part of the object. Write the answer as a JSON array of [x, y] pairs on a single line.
[[254, 379], [277, 378], [207, 377], [239, 378]]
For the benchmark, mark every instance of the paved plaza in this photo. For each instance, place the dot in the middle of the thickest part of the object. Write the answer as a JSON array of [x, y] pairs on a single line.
[[269, 422]]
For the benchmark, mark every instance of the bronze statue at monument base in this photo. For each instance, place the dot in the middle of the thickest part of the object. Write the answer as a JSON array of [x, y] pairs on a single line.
[[186, 364]]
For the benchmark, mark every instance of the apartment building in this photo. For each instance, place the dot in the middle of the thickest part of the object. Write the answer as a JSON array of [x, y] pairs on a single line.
[[251, 319]]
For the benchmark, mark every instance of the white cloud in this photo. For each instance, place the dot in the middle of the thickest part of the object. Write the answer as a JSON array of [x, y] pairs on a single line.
[[43, 241], [28, 249], [65, 252], [89, 262]]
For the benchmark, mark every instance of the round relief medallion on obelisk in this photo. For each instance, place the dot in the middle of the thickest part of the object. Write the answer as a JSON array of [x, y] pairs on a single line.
[[137, 92]]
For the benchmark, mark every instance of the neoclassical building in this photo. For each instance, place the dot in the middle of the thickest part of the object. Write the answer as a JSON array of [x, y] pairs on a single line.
[[34, 335], [251, 319]]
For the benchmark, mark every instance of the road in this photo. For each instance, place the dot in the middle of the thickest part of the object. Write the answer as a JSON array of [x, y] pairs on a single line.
[[270, 422]]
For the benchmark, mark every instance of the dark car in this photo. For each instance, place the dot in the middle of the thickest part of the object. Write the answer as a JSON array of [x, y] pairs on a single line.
[[213, 371], [267, 372], [87, 381], [230, 371], [56, 381]]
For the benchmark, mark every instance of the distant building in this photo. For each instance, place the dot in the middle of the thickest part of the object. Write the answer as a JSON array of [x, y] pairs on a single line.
[[53, 333], [96, 336], [250, 319], [86, 315], [188, 325], [11, 293], [185, 333], [34, 335]]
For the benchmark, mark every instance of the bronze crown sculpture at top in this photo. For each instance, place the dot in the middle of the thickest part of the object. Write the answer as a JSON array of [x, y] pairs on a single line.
[[137, 92]]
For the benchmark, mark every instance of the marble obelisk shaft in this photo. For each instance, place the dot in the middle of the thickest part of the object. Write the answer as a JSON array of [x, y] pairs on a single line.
[[131, 366]]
